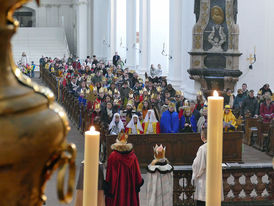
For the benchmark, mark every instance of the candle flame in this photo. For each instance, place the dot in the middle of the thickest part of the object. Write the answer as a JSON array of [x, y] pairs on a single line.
[[92, 129], [215, 93]]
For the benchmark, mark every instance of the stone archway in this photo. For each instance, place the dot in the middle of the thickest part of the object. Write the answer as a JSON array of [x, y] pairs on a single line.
[[26, 16]]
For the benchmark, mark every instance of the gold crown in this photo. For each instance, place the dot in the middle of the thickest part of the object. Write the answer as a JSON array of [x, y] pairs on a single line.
[[130, 102], [101, 90], [159, 89], [116, 91], [106, 90], [171, 105], [110, 93], [95, 89], [141, 92], [159, 152], [186, 108], [178, 93], [122, 137], [153, 96], [116, 102], [97, 106], [186, 103]]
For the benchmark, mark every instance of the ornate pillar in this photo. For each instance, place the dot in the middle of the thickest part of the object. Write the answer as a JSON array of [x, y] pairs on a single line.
[[131, 33], [215, 52], [175, 43], [144, 36], [81, 8]]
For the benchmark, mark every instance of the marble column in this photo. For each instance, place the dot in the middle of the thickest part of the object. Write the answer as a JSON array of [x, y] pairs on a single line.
[[113, 41], [175, 43], [101, 28], [131, 33], [144, 36], [81, 8]]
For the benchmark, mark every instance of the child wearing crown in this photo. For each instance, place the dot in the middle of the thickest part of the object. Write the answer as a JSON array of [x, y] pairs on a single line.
[[123, 177], [159, 179]]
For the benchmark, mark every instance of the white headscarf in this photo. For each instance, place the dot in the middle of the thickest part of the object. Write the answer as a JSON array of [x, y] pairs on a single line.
[[132, 125], [152, 116], [120, 125]]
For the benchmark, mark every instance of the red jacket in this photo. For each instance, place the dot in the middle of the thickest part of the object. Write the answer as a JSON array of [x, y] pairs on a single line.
[[267, 112]]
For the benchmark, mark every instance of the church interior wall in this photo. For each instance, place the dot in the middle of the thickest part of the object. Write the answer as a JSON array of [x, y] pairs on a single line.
[[56, 13], [256, 20]]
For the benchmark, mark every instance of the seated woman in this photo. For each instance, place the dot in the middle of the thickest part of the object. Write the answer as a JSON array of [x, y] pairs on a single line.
[[230, 123], [151, 124], [267, 110], [116, 125], [134, 126], [188, 122], [203, 119]]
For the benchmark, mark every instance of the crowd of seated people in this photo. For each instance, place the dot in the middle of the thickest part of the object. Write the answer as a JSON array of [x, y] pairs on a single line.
[[120, 100]]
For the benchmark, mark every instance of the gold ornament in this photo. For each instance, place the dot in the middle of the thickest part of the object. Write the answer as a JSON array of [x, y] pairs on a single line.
[[217, 15], [33, 129]]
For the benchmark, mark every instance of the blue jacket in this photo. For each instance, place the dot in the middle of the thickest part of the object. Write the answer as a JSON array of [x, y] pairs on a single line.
[[169, 122]]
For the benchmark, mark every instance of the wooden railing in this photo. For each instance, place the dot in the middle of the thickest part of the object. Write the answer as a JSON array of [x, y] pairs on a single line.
[[243, 184]]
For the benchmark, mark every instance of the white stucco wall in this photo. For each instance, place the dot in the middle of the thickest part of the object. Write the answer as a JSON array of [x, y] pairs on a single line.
[[256, 20], [56, 13]]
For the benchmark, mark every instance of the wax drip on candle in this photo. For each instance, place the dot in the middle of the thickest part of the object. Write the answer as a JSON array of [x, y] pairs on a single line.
[[215, 93]]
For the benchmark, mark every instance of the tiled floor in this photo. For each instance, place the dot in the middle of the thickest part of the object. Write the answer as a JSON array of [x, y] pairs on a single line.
[[250, 155]]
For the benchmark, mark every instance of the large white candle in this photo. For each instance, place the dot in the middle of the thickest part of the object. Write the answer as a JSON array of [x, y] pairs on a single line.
[[92, 139], [214, 150]]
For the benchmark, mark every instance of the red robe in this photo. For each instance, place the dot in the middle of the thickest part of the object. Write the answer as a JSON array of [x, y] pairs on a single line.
[[123, 179]]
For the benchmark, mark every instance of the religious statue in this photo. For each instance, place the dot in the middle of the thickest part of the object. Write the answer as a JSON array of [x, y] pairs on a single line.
[[217, 15]]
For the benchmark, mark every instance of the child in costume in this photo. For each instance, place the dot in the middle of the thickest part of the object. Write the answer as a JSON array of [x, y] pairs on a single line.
[[134, 126], [123, 177], [159, 179], [151, 124]]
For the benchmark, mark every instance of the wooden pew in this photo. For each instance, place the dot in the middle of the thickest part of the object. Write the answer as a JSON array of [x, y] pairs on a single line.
[[181, 148], [249, 123], [271, 139], [263, 132]]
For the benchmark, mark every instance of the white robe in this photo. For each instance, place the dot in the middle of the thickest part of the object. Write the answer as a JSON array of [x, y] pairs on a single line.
[[160, 186], [199, 174]]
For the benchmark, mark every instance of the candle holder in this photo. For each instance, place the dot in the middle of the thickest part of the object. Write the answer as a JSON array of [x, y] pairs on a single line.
[[33, 129]]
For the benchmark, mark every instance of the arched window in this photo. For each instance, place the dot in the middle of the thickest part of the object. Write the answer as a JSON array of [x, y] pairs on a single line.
[[26, 16]]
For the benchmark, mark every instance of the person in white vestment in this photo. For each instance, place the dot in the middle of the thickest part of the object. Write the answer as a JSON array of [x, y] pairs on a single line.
[[199, 172], [134, 126], [116, 125], [159, 179]]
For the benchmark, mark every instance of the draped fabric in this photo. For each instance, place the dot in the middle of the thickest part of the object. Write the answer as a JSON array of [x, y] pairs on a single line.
[[123, 180], [169, 122]]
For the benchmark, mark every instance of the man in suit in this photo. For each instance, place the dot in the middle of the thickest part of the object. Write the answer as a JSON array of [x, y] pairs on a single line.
[[115, 59]]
